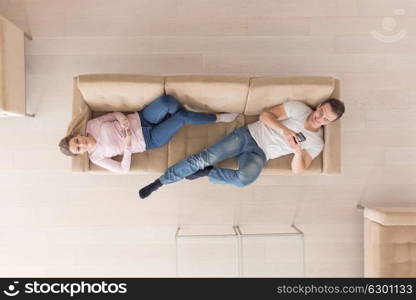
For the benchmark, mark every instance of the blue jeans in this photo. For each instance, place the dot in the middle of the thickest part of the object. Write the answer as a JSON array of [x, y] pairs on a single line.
[[240, 144], [162, 119]]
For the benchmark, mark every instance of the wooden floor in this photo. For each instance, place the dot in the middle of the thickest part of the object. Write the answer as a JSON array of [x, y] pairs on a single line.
[[57, 223]]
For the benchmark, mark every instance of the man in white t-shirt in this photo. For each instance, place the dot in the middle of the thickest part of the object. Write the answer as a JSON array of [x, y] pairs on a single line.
[[281, 130]]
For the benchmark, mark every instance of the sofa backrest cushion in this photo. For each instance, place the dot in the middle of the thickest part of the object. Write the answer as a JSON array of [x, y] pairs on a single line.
[[119, 92], [209, 93], [269, 91]]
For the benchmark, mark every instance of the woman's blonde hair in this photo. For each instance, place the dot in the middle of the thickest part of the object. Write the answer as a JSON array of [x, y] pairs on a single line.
[[64, 145]]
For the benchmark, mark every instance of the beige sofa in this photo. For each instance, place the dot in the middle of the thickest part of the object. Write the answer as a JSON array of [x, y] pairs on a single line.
[[390, 242], [96, 94]]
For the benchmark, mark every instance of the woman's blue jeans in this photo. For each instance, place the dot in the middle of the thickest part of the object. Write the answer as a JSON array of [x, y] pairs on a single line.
[[163, 117], [240, 144]]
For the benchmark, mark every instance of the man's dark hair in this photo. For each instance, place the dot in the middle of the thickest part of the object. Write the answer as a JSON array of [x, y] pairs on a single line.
[[337, 106]]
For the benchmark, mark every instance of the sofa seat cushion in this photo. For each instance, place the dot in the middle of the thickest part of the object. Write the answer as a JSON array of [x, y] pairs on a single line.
[[393, 250], [153, 161], [282, 166], [209, 93], [192, 139]]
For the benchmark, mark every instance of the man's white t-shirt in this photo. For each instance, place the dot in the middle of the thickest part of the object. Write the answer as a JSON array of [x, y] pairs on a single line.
[[274, 144]]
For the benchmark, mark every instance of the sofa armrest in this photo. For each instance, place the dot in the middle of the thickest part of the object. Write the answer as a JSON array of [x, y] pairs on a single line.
[[391, 216], [331, 156], [81, 113]]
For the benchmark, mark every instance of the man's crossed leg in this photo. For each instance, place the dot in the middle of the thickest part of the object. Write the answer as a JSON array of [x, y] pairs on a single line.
[[239, 143]]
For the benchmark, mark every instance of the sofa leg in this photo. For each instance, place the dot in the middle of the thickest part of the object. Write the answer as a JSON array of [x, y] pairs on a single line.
[[28, 36], [30, 115], [359, 206], [297, 228]]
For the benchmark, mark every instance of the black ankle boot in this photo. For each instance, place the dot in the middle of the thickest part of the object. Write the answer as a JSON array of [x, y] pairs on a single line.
[[148, 189]]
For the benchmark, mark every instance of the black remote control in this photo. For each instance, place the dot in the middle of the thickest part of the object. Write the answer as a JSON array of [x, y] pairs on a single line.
[[300, 137]]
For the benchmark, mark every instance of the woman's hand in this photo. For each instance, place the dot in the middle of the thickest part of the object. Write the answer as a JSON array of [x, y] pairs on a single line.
[[125, 124], [127, 137]]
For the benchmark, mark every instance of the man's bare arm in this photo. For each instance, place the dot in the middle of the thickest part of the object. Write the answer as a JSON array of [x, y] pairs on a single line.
[[273, 115], [301, 161]]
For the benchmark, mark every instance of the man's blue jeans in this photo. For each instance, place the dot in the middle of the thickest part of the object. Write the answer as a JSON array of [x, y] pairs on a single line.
[[163, 117], [240, 144]]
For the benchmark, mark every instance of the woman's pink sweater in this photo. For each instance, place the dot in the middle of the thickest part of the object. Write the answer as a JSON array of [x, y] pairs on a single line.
[[109, 134]]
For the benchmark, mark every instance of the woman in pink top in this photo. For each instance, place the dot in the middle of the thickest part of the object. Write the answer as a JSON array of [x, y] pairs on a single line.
[[116, 134]]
